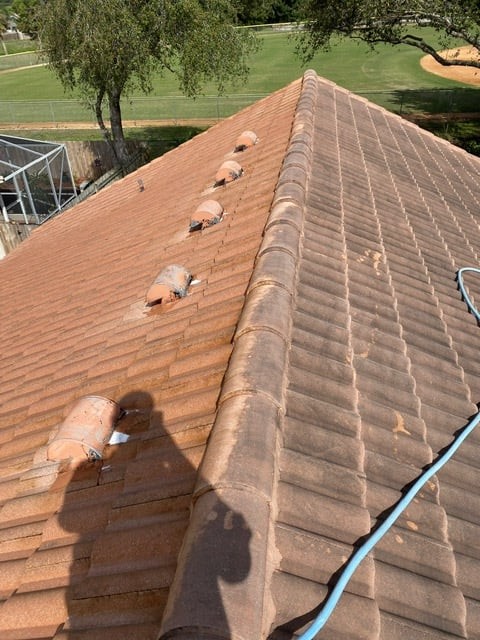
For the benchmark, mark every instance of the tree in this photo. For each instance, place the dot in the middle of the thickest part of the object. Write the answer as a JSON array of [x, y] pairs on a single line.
[[283, 11], [3, 28], [265, 11], [253, 11], [395, 22], [108, 48], [3, 21], [26, 12]]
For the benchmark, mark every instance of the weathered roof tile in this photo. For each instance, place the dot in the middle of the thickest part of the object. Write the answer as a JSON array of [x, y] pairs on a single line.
[[94, 335], [334, 359]]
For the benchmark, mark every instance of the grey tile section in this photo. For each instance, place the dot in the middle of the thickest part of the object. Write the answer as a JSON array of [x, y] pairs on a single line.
[[382, 372]]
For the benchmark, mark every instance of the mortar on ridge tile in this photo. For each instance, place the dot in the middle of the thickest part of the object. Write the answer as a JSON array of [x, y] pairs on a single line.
[[86, 430], [170, 284]]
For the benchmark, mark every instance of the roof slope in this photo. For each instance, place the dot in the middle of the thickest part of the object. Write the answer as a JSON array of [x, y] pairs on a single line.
[[354, 365], [92, 551], [383, 370], [327, 345]]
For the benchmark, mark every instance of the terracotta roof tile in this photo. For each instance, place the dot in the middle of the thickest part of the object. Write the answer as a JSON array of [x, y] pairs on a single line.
[[68, 534], [325, 342], [375, 311]]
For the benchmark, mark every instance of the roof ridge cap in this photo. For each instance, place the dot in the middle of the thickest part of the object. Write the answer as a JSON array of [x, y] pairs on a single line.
[[240, 460]]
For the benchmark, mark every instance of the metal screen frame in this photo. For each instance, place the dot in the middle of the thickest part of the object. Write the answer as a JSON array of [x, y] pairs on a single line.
[[23, 164]]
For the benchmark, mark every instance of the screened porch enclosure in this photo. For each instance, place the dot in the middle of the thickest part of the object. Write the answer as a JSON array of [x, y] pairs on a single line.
[[36, 180]]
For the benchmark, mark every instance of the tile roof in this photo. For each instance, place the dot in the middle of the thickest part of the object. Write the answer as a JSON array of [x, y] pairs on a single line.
[[326, 344], [92, 550], [354, 365], [382, 372]]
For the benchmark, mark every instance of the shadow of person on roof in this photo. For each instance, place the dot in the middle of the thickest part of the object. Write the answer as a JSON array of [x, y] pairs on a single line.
[[124, 518]]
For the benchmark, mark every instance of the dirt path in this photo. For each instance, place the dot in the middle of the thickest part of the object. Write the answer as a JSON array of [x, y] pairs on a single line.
[[30, 66], [127, 124], [468, 75]]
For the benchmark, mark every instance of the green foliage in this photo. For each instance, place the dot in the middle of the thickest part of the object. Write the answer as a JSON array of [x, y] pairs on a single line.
[[394, 22], [117, 44], [27, 12], [265, 11], [3, 21], [4, 10], [110, 48], [464, 134], [283, 11], [253, 11]]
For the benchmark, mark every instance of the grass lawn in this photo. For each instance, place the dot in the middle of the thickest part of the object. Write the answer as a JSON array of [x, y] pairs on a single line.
[[390, 76], [18, 46], [350, 64], [160, 138]]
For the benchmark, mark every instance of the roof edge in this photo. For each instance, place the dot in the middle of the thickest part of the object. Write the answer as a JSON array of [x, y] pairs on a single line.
[[233, 499]]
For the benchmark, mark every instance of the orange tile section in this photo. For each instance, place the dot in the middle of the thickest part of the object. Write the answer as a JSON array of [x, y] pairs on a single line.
[[91, 553]]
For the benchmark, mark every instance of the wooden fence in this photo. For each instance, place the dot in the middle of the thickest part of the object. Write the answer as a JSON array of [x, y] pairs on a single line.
[[11, 235], [91, 159], [92, 162]]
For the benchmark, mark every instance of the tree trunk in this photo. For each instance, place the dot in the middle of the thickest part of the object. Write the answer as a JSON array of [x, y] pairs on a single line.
[[116, 127], [101, 122], [99, 115]]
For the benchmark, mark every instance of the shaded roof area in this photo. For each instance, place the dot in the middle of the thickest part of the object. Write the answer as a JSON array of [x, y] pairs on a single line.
[[92, 551], [327, 346], [383, 371]]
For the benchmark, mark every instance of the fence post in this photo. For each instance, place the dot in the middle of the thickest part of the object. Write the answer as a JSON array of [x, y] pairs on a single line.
[[12, 113], [52, 111]]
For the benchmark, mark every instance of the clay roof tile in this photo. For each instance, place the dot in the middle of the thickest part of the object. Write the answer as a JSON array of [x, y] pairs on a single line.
[[323, 353]]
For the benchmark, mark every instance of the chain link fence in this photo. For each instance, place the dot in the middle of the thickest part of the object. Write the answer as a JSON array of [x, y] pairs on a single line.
[[19, 60], [208, 109], [428, 101], [16, 113]]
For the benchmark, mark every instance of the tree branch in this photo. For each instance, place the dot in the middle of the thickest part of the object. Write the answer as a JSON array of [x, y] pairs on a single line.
[[419, 43]]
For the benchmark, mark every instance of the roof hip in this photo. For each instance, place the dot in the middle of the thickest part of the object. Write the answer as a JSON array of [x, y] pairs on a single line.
[[239, 466]]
